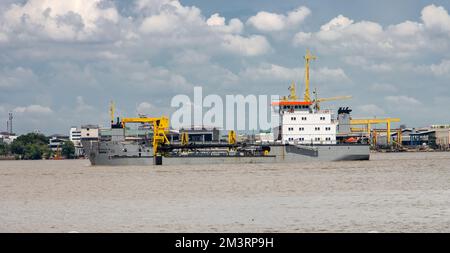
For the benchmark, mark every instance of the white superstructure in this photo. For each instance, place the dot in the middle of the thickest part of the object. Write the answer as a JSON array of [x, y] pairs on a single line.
[[303, 125]]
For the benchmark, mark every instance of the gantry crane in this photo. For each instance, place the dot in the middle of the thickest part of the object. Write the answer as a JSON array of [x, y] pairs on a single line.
[[369, 122], [160, 129]]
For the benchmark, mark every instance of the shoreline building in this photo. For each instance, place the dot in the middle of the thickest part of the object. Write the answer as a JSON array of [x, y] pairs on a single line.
[[75, 138], [56, 141]]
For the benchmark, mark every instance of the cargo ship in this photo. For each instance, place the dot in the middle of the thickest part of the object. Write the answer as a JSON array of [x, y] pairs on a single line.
[[305, 133]]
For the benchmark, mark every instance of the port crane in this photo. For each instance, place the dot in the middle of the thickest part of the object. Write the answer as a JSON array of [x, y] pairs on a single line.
[[307, 97], [160, 126], [160, 129], [369, 122]]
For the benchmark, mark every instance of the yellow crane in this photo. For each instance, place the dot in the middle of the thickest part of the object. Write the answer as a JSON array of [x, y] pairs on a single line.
[[369, 122], [160, 129], [308, 57], [112, 108], [307, 98], [231, 137], [184, 138], [58, 153], [317, 101], [292, 93]]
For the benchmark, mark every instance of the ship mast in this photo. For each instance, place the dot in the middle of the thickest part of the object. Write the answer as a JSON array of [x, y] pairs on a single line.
[[308, 57]]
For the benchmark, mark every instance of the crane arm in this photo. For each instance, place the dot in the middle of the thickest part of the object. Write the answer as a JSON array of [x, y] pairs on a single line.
[[333, 98], [160, 129]]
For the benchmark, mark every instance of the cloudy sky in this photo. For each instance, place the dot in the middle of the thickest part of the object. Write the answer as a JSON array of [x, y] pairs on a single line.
[[61, 62]]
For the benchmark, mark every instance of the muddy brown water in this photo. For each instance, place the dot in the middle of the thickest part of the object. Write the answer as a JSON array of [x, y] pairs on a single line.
[[394, 192]]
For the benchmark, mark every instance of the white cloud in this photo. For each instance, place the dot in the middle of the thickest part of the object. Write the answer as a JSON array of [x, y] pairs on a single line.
[[329, 74], [33, 109], [402, 100], [165, 17], [248, 46], [301, 38], [18, 77], [272, 72], [81, 106], [436, 17], [344, 36], [383, 87], [370, 110], [277, 72], [191, 57], [266, 21], [146, 108], [218, 23], [163, 23], [269, 22], [441, 69], [405, 29], [59, 20]]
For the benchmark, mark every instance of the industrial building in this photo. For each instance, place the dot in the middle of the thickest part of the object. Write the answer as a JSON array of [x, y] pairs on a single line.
[[7, 137], [75, 138], [56, 141]]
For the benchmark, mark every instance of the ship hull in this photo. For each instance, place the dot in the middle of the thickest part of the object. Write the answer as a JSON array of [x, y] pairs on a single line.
[[278, 154]]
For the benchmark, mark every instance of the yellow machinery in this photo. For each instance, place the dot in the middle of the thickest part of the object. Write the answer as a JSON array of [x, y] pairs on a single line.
[[307, 98], [308, 57], [112, 108], [58, 155], [184, 138], [317, 101], [231, 137], [292, 93], [160, 128], [397, 142], [369, 122]]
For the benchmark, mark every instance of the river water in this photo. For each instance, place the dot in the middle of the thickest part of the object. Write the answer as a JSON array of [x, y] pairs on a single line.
[[393, 192]]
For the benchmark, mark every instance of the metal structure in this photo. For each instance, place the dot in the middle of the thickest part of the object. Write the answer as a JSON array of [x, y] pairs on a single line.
[[307, 97], [317, 101], [397, 142], [184, 138], [308, 57], [112, 108], [160, 129], [231, 137], [369, 122], [9, 123]]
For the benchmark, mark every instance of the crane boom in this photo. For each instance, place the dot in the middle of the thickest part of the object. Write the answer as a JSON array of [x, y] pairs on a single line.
[[308, 57], [160, 129], [333, 98]]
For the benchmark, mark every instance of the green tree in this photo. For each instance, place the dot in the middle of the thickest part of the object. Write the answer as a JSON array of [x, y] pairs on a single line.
[[4, 149], [68, 150], [30, 146], [33, 152], [18, 147]]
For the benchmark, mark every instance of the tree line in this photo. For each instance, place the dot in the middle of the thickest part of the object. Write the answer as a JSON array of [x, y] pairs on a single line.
[[34, 146]]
